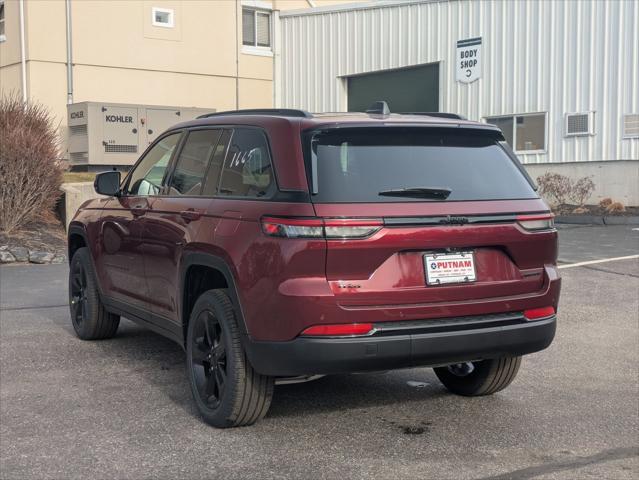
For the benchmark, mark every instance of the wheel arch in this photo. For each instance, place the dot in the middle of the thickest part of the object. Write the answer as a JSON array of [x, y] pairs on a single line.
[[76, 238], [194, 263]]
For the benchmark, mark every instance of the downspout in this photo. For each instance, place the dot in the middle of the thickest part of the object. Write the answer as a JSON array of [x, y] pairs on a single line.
[[277, 94], [69, 54], [237, 58], [23, 55]]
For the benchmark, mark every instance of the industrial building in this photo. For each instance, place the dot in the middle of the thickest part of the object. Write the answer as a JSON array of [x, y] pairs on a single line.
[[561, 78]]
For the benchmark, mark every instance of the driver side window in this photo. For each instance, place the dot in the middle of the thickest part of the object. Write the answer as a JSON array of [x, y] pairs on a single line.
[[147, 177]]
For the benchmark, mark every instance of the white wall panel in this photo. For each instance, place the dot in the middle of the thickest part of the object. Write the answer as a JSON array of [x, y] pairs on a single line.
[[538, 56]]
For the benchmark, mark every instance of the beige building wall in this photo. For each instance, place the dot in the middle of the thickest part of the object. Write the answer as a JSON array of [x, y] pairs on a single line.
[[120, 56], [10, 75]]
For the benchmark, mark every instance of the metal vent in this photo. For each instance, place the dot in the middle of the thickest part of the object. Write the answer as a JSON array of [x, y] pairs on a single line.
[[77, 130], [111, 148], [631, 125], [579, 124], [78, 157]]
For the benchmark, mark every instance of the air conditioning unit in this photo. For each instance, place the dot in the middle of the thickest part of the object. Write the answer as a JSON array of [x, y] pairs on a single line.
[[105, 135], [580, 124], [631, 125]]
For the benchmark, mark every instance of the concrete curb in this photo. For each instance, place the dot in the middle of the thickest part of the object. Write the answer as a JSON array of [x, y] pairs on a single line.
[[597, 220]]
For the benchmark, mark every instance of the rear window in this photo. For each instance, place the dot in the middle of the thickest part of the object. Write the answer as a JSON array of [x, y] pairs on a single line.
[[356, 164]]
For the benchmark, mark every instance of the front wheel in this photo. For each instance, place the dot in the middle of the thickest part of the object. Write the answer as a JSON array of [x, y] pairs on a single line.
[[479, 378], [89, 316], [226, 389]]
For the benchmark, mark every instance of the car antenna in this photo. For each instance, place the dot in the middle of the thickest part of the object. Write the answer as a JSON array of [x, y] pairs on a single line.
[[379, 108]]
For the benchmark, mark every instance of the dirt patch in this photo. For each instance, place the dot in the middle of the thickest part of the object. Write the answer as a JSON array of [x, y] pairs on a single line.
[[47, 236]]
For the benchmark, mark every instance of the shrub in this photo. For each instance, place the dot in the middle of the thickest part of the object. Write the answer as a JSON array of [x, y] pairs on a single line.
[[581, 190], [556, 188], [605, 202], [615, 207], [30, 174]]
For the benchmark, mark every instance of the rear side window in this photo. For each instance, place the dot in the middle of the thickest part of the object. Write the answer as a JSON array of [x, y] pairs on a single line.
[[247, 170], [191, 165], [358, 164]]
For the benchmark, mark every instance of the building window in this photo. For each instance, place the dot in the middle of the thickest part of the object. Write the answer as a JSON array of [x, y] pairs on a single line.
[[525, 133], [256, 28], [163, 17], [2, 36], [631, 125]]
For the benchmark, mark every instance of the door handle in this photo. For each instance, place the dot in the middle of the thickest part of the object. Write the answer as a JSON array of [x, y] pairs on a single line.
[[190, 215], [138, 211]]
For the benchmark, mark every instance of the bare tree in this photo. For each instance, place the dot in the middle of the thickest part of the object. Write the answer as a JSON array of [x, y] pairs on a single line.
[[30, 173]]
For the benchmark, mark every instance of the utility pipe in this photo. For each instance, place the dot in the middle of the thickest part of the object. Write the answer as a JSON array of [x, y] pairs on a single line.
[[23, 55], [69, 54]]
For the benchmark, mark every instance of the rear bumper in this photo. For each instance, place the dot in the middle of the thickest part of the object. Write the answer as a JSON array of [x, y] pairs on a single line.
[[423, 347]]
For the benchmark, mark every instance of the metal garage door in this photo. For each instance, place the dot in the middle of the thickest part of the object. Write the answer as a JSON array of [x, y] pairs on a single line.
[[413, 89]]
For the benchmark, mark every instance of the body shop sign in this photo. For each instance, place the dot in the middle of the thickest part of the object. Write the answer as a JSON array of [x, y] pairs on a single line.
[[468, 60]]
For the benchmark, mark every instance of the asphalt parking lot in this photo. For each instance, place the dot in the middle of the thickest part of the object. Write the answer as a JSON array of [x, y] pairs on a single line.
[[122, 408]]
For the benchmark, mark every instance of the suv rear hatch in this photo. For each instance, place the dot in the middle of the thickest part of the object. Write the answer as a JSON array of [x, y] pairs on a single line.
[[439, 215]]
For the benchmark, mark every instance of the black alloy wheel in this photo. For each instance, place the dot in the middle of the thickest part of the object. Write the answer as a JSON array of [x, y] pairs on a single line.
[[78, 300], [208, 355]]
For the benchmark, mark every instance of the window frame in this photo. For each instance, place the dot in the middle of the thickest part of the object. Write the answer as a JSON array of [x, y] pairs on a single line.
[[255, 49], [513, 116], [169, 11], [276, 195], [3, 36], [124, 186]]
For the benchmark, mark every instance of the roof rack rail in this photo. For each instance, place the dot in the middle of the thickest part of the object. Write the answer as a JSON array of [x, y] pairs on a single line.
[[276, 112], [454, 116]]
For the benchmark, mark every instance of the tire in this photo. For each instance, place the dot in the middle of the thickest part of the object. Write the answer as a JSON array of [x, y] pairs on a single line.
[[486, 378], [90, 319], [226, 389]]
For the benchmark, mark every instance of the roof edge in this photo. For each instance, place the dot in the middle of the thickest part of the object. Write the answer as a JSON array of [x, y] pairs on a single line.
[[348, 7]]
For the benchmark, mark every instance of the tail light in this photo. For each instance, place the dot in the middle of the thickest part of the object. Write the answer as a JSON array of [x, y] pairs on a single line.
[[537, 313], [339, 330], [536, 222], [329, 228]]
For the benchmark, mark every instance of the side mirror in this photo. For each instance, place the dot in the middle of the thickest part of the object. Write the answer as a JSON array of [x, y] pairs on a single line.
[[107, 183]]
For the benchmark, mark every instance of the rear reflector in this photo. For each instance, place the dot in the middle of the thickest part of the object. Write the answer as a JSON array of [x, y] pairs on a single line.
[[340, 330], [536, 313], [536, 222], [330, 228]]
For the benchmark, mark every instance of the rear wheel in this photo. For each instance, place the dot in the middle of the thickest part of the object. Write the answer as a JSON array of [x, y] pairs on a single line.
[[90, 319], [479, 378], [226, 389]]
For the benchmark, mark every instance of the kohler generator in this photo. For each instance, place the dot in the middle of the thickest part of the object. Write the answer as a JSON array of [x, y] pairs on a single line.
[[113, 135]]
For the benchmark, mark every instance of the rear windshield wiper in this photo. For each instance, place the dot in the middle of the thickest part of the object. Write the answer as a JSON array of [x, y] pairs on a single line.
[[423, 192]]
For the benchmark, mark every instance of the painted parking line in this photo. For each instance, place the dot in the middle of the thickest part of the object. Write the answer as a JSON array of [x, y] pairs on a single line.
[[603, 260]]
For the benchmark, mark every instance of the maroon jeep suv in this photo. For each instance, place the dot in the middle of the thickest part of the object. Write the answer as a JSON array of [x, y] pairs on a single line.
[[278, 245]]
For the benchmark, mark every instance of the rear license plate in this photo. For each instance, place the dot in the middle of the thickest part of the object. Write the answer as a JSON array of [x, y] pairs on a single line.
[[450, 268]]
